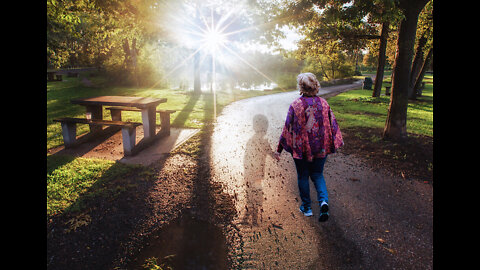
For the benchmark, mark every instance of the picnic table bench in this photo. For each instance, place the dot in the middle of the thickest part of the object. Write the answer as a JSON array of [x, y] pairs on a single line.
[[53, 76], [69, 130], [116, 113]]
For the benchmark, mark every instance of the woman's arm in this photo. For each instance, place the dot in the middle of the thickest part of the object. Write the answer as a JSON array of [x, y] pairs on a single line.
[[285, 138]]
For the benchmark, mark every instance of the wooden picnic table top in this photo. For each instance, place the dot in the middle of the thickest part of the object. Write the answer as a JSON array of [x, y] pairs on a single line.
[[139, 102]]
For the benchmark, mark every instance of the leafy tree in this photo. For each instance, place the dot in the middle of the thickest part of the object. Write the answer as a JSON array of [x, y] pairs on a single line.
[[351, 24], [61, 24], [90, 33], [331, 61]]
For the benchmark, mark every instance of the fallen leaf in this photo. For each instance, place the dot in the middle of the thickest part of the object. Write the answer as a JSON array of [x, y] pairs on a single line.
[[277, 226], [391, 250], [380, 240], [78, 221]]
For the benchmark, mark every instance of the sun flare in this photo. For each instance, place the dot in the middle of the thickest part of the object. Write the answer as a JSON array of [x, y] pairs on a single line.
[[213, 40]]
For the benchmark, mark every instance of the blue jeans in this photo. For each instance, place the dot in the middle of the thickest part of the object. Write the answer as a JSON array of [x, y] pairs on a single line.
[[314, 170]]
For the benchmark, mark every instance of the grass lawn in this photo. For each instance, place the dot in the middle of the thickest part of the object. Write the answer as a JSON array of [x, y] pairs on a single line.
[[357, 108], [68, 178], [71, 180], [362, 117]]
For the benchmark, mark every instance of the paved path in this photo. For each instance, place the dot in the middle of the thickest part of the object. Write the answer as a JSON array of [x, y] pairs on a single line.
[[376, 221]]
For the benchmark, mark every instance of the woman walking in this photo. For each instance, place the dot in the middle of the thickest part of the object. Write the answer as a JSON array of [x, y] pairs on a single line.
[[310, 133]]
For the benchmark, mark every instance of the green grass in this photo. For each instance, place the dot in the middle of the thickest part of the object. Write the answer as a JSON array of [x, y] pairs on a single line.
[[70, 178], [357, 108], [362, 118]]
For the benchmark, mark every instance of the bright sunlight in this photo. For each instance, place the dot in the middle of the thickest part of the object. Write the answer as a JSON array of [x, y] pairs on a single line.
[[213, 40]]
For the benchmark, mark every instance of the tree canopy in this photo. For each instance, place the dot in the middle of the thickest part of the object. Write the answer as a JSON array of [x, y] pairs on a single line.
[[153, 42]]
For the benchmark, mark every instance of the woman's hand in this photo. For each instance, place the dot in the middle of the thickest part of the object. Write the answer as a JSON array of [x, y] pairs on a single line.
[[277, 156]]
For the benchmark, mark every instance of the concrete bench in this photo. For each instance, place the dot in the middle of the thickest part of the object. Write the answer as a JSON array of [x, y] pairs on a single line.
[[69, 131], [116, 113]]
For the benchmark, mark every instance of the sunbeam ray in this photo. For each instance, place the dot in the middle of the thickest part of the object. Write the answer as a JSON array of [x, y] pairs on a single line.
[[250, 65], [210, 33], [180, 65]]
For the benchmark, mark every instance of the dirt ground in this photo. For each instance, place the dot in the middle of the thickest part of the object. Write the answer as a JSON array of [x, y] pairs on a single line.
[[113, 231], [412, 159], [179, 185], [117, 228]]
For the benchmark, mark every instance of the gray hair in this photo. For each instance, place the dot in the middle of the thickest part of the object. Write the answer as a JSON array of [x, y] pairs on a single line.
[[308, 84]]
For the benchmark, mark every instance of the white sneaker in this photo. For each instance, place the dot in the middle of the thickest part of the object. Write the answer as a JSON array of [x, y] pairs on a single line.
[[306, 212]]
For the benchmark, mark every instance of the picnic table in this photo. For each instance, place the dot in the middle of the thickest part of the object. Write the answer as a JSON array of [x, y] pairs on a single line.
[[94, 118], [147, 105]]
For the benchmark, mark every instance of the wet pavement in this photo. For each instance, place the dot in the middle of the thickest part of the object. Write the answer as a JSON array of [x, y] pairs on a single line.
[[375, 223]]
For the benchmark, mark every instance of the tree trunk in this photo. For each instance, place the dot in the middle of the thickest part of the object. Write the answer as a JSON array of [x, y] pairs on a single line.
[[323, 70], [396, 123], [126, 50], [333, 69], [130, 61], [196, 73], [357, 69], [381, 60], [133, 60], [416, 66], [416, 89]]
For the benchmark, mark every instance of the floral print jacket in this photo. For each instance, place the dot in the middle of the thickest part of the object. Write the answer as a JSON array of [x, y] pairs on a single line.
[[310, 130]]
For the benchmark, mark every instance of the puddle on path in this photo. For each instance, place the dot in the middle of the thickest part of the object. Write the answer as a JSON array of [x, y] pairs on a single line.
[[186, 243]]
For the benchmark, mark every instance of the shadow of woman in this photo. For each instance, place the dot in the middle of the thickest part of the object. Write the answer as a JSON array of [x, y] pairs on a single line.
[[256, 152]]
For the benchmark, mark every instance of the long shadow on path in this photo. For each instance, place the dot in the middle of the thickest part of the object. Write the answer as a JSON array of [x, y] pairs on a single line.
[[256, 152], [196, 239], [182, 117], [94, 229]]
